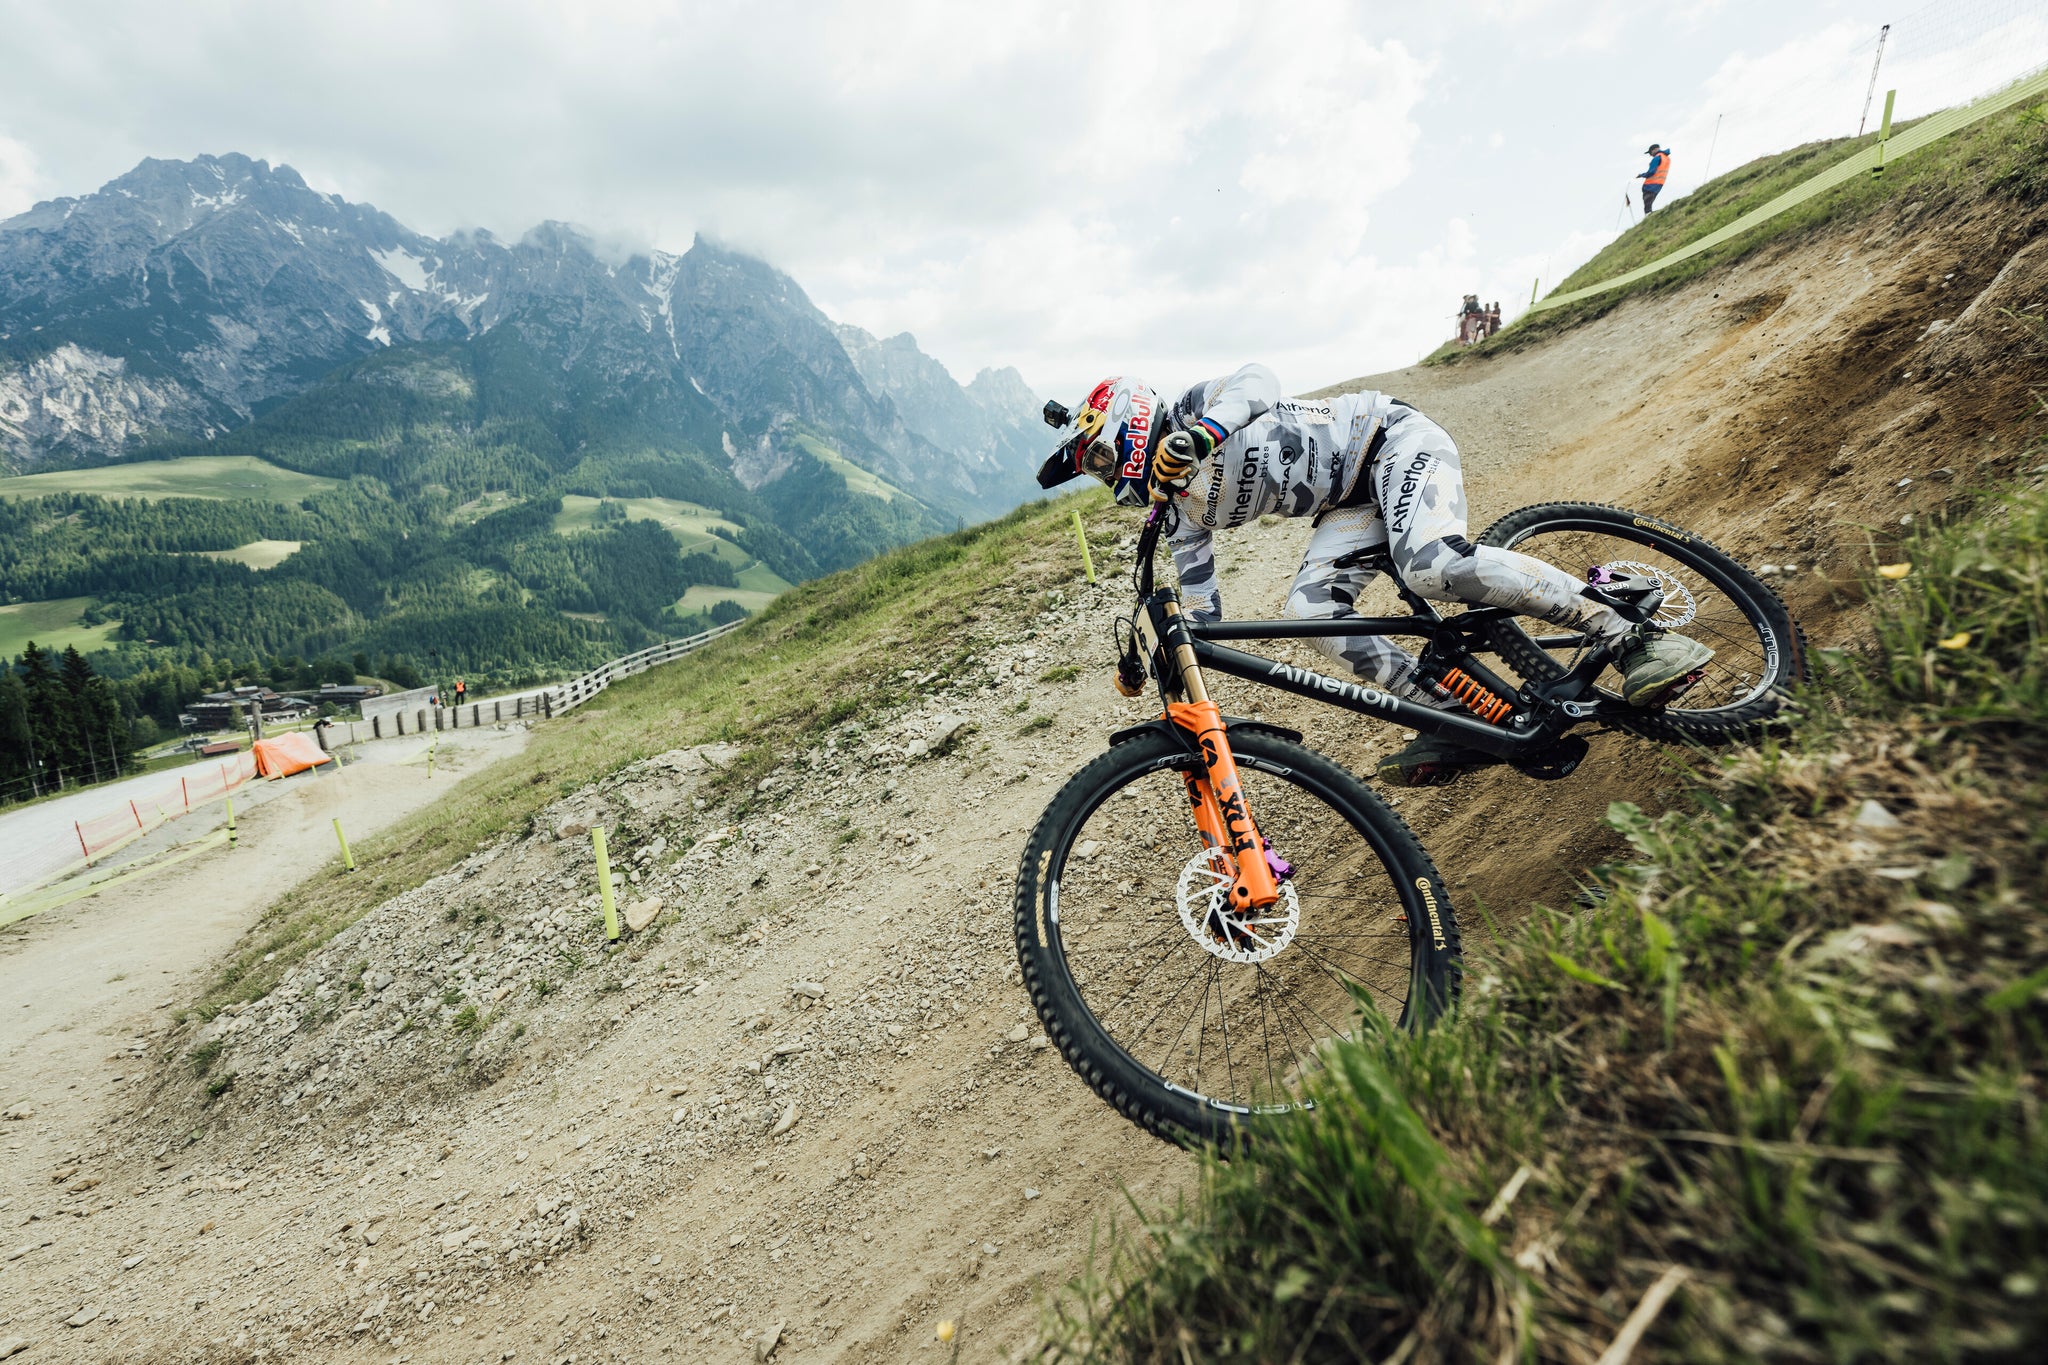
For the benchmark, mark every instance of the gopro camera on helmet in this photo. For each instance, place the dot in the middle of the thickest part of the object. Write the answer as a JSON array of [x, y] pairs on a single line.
[[1056, 414]]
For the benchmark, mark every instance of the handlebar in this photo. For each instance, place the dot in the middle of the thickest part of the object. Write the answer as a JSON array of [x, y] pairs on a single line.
[[1148, 546]]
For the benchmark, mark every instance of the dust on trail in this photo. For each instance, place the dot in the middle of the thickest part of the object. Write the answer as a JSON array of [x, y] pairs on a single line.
[[588, 1163]]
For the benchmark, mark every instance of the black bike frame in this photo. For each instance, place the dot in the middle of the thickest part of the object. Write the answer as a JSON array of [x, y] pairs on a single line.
[[1543, 712]]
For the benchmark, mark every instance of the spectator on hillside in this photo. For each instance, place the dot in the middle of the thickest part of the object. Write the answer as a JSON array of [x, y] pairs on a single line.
[[1471, 321], [1653, 179]]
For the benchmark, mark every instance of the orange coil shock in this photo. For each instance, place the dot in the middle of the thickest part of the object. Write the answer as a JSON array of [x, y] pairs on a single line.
[[1478, 698]]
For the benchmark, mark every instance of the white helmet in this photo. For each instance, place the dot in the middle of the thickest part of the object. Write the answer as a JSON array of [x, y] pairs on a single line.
[[1110, 439]]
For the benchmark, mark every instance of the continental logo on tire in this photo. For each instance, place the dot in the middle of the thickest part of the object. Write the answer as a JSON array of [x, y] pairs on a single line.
[[1659, 526], [1436, 923]]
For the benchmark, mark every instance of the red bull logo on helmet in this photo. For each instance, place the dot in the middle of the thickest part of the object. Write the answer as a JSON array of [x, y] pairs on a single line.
[[1137, 435]]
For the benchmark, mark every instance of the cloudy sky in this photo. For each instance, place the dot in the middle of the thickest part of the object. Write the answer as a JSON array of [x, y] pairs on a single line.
[[1075, 189]]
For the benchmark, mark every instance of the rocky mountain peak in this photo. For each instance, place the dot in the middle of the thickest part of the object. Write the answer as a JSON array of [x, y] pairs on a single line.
[[230, 285], [1003, 392]]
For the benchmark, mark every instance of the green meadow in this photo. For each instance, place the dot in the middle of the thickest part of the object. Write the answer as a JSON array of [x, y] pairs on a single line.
[[53, 625], [226, 477]]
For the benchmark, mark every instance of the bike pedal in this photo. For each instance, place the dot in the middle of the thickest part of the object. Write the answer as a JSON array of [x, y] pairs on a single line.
[[1678, 688]]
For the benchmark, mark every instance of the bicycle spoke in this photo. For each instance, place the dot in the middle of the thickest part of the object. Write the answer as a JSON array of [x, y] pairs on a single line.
[[1137, 925]]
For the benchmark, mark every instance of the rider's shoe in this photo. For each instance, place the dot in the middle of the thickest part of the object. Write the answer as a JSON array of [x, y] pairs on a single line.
[[1657, 666], [1430, 762]]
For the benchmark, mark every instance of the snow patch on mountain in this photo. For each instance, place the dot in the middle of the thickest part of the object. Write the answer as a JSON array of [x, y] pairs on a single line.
[[408, 269]]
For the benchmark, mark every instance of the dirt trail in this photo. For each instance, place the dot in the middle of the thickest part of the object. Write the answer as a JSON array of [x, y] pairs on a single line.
[[463, 1132]]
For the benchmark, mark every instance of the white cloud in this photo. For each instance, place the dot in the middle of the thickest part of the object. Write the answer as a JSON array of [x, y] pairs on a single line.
[[18, 178], [1068, 187]]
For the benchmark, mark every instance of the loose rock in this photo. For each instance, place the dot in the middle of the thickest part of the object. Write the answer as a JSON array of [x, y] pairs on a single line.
[[642, 913]]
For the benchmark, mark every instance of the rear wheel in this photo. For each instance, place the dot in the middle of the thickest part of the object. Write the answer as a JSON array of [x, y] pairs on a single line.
[[1758, 651], [1195, 1026]]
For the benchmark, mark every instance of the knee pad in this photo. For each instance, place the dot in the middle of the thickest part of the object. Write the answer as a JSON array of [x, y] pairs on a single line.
[[1441, 568]]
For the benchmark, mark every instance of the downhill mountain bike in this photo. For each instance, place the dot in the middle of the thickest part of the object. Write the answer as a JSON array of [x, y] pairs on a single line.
[[1204, 908]]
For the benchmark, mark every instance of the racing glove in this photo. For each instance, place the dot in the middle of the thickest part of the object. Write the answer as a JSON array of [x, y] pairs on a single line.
[[1173, 464]]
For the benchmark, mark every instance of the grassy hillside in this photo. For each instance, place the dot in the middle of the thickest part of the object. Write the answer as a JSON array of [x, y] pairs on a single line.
[[257, 554], [53, 624], [822, 653], [689, 523], [1785, 1071], [235, 477], [858, 480], [2004, 156]]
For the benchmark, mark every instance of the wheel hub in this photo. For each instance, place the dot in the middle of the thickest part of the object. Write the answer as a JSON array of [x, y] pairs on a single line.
[[1203, 896], [1679, 607]]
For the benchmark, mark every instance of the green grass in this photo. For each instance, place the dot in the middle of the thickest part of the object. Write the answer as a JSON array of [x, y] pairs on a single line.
[[857, 479], [703, 597], [52, 624], [257, 554], [2005, 155], [690, 523], [821, 654], [1794, 1062], [225, 477], [754, 576], [476, 509]]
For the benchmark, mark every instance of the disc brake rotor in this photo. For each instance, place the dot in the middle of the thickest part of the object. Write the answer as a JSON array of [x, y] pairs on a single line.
[[1203, 895], [1680, 606]]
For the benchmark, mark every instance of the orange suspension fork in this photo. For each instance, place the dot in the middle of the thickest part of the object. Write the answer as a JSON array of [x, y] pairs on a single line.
[[1215, 795], [1219, 810]]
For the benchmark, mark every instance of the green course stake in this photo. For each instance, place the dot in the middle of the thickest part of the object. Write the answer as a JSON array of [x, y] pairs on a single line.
[[430, 756], [1081, 535], [604, 885], [231, 822], [347, 858]]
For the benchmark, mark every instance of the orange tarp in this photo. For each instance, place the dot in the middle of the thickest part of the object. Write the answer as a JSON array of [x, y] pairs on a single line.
[[287, 754]]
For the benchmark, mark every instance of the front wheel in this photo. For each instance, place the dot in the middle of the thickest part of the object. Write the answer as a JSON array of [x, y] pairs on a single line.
[[1758, 652], [1193, 1034]]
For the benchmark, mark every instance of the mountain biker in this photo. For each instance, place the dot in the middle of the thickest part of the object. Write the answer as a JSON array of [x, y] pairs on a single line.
[[1376, 476]]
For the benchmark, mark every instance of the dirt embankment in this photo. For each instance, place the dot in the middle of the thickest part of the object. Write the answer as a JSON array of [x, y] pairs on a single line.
[[809, 1102]]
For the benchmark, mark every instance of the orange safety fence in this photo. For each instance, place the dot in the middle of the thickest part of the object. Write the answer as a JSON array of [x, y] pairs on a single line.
[[138, 808], [167, 800]]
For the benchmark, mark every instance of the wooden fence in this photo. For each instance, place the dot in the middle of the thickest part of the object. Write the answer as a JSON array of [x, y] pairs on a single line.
[[547, 702]]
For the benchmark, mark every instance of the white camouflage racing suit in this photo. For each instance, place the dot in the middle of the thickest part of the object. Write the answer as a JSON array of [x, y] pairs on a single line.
[[1377, 475]]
